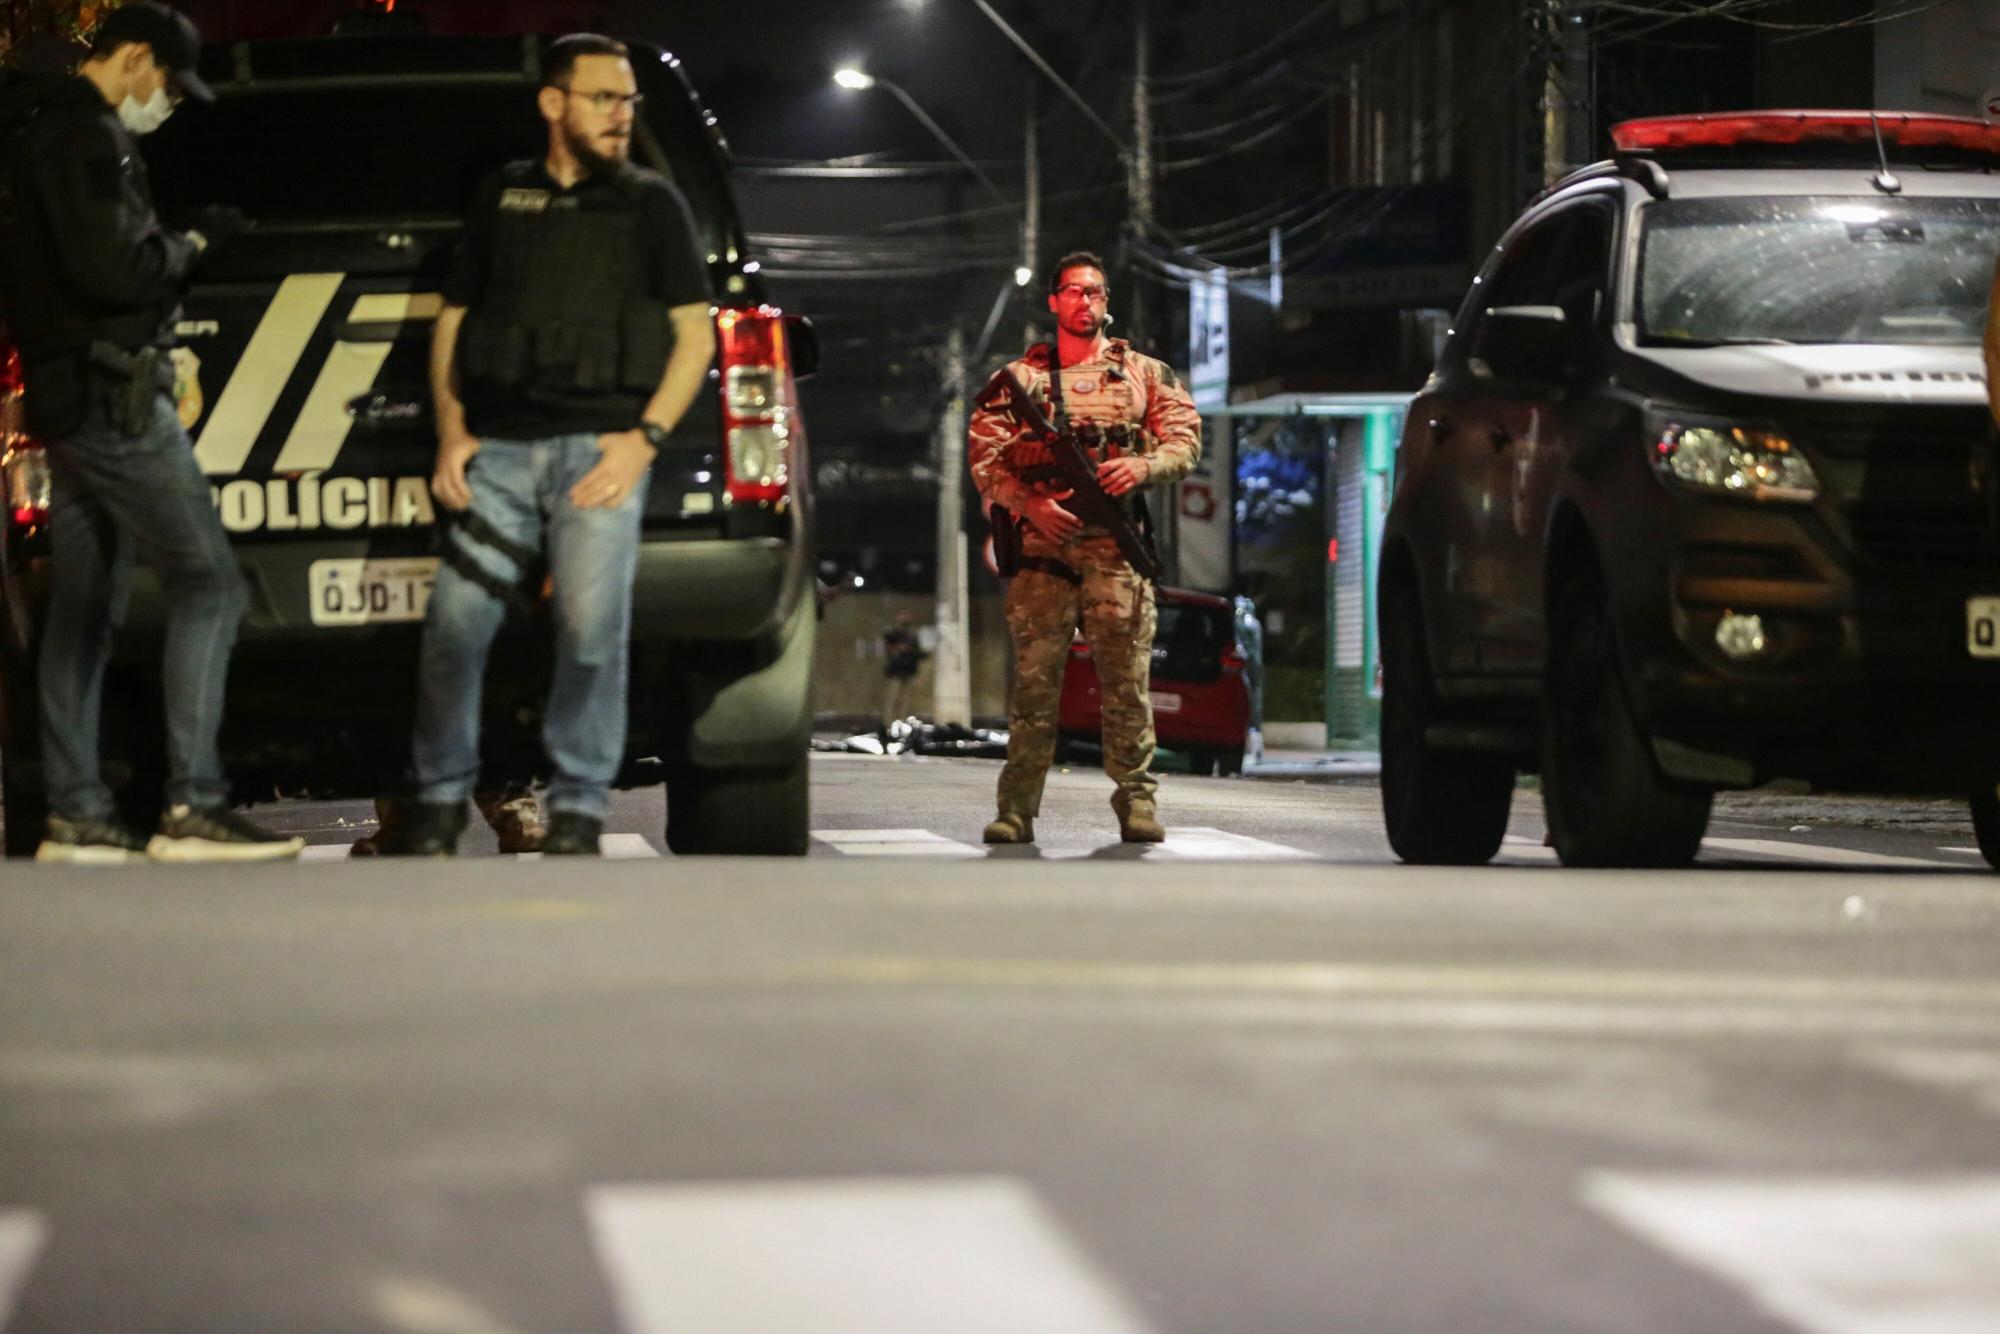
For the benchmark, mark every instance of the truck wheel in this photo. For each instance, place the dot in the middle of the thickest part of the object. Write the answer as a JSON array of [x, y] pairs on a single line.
[[1986, 822], [1441, 807], [25, 811], [740, 812], [26, 804], [1604, 798]]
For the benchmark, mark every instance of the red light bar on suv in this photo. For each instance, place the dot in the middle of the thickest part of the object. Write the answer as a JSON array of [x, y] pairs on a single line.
[[1783, 129]]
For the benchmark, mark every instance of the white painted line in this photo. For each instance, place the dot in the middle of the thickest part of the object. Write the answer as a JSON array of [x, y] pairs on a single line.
[[1806, 852], [326, 852], [972, 1255], [1973, 851], [1515, 846], [894, 843], [626, 846], [22, 1234], [1831, 1256], [1756, 849], [266, 367], [1200, 843]]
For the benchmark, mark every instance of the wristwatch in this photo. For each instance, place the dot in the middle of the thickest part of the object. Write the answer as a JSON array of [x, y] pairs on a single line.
[[656, 435]]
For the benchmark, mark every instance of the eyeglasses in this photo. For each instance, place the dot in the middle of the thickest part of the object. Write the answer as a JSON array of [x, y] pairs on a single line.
[[1092, 292], [605, 99]]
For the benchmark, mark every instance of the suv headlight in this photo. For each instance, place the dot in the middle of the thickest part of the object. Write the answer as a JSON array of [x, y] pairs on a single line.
[[1738, 458]]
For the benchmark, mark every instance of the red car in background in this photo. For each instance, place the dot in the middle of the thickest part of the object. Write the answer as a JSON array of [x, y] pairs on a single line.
[[1201, 702]]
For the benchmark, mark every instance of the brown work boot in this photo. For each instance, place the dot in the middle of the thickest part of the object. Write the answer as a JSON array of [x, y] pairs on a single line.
[[1008, 827], [1137, 823], [515, 817]]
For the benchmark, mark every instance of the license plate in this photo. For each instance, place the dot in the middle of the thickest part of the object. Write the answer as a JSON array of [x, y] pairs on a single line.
[[1982, 627], [371, 592], [1164, 702]]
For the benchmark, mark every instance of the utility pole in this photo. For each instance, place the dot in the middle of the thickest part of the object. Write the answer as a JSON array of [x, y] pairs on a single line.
[[1141, 170], [952, 679]]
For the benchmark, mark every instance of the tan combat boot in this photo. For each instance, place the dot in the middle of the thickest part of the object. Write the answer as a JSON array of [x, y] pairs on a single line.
[[1008, 827], [1137, 823]]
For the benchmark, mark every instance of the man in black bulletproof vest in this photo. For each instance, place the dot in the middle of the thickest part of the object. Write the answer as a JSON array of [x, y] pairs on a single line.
[[575, 332]]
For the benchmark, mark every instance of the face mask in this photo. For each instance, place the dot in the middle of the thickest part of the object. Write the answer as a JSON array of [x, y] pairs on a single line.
[[145, 117]]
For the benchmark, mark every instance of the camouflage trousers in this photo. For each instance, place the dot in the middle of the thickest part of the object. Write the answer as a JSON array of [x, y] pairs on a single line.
[[1114, 608]]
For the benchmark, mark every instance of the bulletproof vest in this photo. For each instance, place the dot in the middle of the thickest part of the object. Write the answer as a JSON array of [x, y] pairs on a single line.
[[563, 307], [1103, 405]]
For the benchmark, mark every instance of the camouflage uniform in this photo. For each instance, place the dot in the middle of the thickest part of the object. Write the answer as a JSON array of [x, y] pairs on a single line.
[[1106, 597]]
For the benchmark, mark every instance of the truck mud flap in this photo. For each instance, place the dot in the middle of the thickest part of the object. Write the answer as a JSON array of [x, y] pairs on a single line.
[[763, 718]]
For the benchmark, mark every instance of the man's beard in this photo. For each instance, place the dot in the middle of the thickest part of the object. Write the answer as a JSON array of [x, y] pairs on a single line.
[[585, 151]]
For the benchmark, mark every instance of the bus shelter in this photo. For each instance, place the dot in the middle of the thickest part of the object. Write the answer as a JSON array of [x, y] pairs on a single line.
[[1312, 477]]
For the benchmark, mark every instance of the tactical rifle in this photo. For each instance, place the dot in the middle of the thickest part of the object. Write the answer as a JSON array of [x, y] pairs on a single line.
[[1087, 499]]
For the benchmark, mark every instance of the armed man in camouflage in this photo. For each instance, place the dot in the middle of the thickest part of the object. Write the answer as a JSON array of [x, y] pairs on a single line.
[[1145, 432]]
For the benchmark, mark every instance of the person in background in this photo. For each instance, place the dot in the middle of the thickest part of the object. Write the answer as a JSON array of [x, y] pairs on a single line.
[[902, 653]]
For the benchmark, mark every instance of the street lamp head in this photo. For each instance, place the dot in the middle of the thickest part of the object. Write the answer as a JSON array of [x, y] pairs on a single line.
[[853, 78], [1023, 275]]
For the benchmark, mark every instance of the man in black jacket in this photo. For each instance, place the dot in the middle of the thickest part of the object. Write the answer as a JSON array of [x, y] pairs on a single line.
[[90, 282]]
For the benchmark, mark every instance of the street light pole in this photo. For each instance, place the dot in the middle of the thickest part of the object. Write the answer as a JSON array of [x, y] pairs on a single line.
[[854, 78], [951, 691]]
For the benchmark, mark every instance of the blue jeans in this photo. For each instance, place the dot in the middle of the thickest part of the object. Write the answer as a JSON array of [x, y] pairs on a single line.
[[115, 497], [521, 489]]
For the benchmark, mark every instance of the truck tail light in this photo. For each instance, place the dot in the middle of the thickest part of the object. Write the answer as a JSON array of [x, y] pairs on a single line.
[[1079, 648], [24, 464], [759, 403], [1233, 660]]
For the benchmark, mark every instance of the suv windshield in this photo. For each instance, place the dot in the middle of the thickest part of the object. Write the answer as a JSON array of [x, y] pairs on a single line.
[[1817, 270]]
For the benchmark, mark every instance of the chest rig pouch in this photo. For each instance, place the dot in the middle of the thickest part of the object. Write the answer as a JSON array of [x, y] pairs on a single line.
[[564, 306]]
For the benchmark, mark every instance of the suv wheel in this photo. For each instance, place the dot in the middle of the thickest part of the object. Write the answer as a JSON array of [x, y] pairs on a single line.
[[1605, 800], [1986, 822], [1441, 807], [1229, 763], [740, 812]]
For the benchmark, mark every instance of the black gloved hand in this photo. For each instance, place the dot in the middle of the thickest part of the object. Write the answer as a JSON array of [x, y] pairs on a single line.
[[215, 226]]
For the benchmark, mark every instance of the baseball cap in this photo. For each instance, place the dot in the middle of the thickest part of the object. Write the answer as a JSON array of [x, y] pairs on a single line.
[[175, 41]]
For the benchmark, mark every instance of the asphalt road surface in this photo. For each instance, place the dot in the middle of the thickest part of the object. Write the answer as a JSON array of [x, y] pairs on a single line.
[[1260, 1078]]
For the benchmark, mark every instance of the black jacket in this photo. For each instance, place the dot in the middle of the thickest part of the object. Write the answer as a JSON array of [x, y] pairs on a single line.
[[82, 254]]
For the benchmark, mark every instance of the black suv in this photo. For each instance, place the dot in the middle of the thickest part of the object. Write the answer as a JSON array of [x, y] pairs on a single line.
[[1704, 492], [355, 156]]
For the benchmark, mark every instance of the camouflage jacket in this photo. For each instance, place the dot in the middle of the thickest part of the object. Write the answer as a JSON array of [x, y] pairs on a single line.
[[1121, 386]]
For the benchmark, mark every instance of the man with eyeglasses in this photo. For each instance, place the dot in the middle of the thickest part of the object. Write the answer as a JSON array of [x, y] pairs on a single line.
[[90, 282], [1144, 431], [575, 332]]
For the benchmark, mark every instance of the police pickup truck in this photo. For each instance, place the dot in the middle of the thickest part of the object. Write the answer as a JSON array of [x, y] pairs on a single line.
[[355, 157], [1704, 492]]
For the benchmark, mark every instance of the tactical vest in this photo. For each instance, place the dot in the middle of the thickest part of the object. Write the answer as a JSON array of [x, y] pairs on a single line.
[[564, 307]]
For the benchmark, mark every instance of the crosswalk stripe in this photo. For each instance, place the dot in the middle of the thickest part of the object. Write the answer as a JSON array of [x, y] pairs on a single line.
[[22, 1233], [1200, 843], [974, 1255], [324, 852], [1830, 1256], [1807, 852], [1756, 849], [894, 843]]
